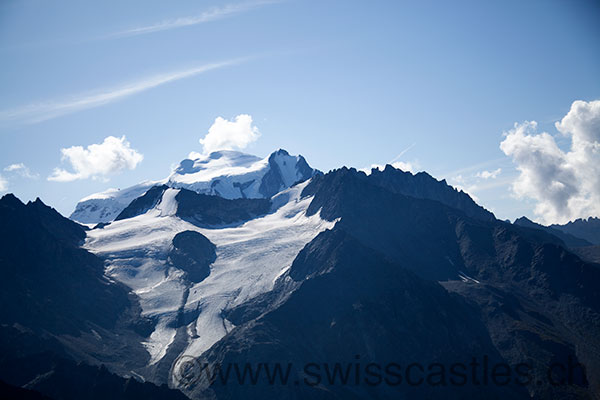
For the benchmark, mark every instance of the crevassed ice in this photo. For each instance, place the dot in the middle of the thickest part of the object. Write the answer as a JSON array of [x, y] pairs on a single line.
[[249, 259]]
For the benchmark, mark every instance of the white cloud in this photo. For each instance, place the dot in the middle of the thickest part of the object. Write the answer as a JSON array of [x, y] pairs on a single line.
[[97, 160], [206, 16], [38, 112], [192, 155], [564, 184], [15, 167], [22, 170], [230, 135], [489, 174], [582, 122], [404, 166], [3, 184]]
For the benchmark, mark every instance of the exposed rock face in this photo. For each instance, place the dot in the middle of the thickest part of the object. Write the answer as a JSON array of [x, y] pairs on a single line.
[[284, 171], [193, 253], [143, 203], [199, 209], [205, 210]]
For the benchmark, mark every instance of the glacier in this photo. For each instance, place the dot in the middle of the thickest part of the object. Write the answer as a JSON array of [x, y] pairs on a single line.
[[250, 258]]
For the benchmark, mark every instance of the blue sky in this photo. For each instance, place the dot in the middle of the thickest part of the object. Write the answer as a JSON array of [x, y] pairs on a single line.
[[350, 83]]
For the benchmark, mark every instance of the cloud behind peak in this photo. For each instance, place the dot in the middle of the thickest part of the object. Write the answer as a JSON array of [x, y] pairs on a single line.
[[564, 184]]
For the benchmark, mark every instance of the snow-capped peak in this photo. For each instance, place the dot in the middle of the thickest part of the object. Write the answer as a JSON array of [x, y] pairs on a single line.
[[218, 163], [106, 206], [226, 173]]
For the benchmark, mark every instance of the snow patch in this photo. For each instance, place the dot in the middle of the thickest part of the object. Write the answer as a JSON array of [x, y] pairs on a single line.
[[466, 278], [168, 205], [159, 341]]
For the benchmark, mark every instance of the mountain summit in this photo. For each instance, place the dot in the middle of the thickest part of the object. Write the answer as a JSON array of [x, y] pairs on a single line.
[[228, 174], [234, 175]]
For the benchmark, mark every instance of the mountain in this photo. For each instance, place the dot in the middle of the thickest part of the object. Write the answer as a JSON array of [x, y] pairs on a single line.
[[378, 285], [384, 262], [569, 239], [166, 254], [61, 317], [412, 281], [588, 229], [581, 236], [225, 173]]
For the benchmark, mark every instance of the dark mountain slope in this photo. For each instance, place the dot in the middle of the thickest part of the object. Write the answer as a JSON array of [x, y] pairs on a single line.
[[420, 233], [58, 310], [525, 298], [588, 229], [200, 209], [14, 392], [352, 306], [424, 186], [568, 239], [40, 364], [143, 203], [49, 283], [588, 253]]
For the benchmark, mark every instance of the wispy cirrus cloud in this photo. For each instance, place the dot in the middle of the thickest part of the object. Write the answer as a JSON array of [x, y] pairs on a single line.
[[212, 14], [42, 111]]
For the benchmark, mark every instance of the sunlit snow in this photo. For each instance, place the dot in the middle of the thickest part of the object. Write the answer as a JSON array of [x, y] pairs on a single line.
[[249, 259]]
